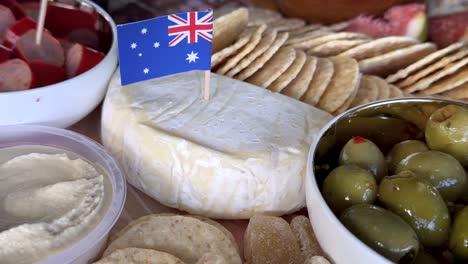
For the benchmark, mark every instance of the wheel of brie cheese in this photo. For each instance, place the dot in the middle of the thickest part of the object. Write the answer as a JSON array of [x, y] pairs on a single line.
[[239, 153]]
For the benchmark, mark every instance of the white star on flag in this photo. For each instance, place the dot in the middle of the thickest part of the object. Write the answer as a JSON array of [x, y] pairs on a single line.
[[156, 45], [133, 45], [192, 57], [140, 54], [144, 30], [146, 71]]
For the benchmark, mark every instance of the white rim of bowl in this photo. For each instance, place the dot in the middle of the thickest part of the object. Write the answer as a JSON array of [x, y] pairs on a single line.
[[311, 158], [112, 48], [102, 229]]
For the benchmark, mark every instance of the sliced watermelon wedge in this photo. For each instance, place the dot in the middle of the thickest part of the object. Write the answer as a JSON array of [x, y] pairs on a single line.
[[46, 74]]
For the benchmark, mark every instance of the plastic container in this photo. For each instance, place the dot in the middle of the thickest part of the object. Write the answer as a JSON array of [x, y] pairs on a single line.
[[384, 122], [90, 246]]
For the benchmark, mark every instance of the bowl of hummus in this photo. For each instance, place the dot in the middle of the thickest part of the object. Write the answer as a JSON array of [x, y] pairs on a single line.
[[60, 195]]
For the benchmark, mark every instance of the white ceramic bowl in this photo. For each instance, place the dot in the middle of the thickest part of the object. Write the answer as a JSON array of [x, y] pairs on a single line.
[[89, 247], [65, 103], [341, 246]]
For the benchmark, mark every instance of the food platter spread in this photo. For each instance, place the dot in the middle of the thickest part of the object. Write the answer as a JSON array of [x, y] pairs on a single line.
[[294, 141]]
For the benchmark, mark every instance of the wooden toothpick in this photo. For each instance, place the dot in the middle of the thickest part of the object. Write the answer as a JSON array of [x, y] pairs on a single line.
[[207, 85], [41, 21]]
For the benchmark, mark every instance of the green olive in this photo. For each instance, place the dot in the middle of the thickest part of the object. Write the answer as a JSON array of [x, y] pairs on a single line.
[[458, 242], [446, 131], [439, 169], [402, 150], [424, 258], [348, 185], [365, 154], [419, 204], [383, 231]]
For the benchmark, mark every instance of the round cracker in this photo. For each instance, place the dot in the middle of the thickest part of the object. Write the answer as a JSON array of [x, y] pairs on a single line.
[[382, 86], [307, 36], [299, 85], [430, 59], [185, 237], [291, 73], [367, 92], [335, 47], [338, 26], [258, 16], [348, 101], [395, 92], [433, 67], [262, 46], [329, 37], [448, 83], [426, 82], [139, 256], [322, 77], [305, 29], [286, 24], [233, 60], [460, 92], [345, 79], [392, 61], [227, 28], [273, 68], [223, 54], [260, 61], [378, 47]]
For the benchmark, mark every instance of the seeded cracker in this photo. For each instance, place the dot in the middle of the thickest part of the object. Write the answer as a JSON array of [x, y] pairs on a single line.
[[299, 85], [221, 55], [448, 83], [286, 24], [323, 39], [307, 36], [265, 43], [460, 92], [342, 85], [185, 237], [378, 47], [227, 28], [426, 82], [367, 92], [290, 74], [431, 58], [432, 68], [233, 60], [390, 62], [139, 256], [320, 81], [335, 47], [260, 61], [273, 68]]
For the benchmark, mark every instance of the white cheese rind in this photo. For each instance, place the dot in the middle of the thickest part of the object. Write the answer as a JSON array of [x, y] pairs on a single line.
[[242, 152]]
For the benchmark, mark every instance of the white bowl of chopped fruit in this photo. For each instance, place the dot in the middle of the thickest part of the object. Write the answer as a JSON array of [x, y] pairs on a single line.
[[65, 77]]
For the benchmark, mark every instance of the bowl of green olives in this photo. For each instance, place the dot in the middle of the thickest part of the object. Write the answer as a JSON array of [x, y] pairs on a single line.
[[387, 182]]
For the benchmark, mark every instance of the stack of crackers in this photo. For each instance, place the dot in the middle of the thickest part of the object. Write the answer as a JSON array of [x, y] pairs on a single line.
[[274, 56], [443, 73]]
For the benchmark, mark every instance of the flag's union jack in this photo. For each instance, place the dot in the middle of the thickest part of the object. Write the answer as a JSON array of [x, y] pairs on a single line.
[[190, 28]]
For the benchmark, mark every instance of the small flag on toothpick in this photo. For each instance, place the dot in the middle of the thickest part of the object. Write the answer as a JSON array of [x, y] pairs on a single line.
[[165, 45]]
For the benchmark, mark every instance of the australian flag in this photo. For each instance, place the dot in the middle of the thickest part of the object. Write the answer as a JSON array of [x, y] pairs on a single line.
[[165, 45]]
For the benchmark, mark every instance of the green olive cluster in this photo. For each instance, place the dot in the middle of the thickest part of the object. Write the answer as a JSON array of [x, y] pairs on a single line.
[[413, 202]]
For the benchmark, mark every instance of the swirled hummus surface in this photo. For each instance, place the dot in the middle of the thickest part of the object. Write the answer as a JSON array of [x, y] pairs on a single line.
[[48, 201]]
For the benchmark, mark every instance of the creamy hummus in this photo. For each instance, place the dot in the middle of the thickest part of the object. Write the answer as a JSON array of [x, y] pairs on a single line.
[[47, 202]]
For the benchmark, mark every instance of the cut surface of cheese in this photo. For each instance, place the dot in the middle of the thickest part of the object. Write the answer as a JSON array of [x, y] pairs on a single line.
[[239, 153]]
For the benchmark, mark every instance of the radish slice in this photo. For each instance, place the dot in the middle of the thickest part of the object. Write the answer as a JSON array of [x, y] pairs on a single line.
[[17, 30], [47, 74], [85, 37], [31, 9], [81, 59], [62, 19], [14, 7], [6, 20], [50, 50], [15, 75], [5, 53]]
